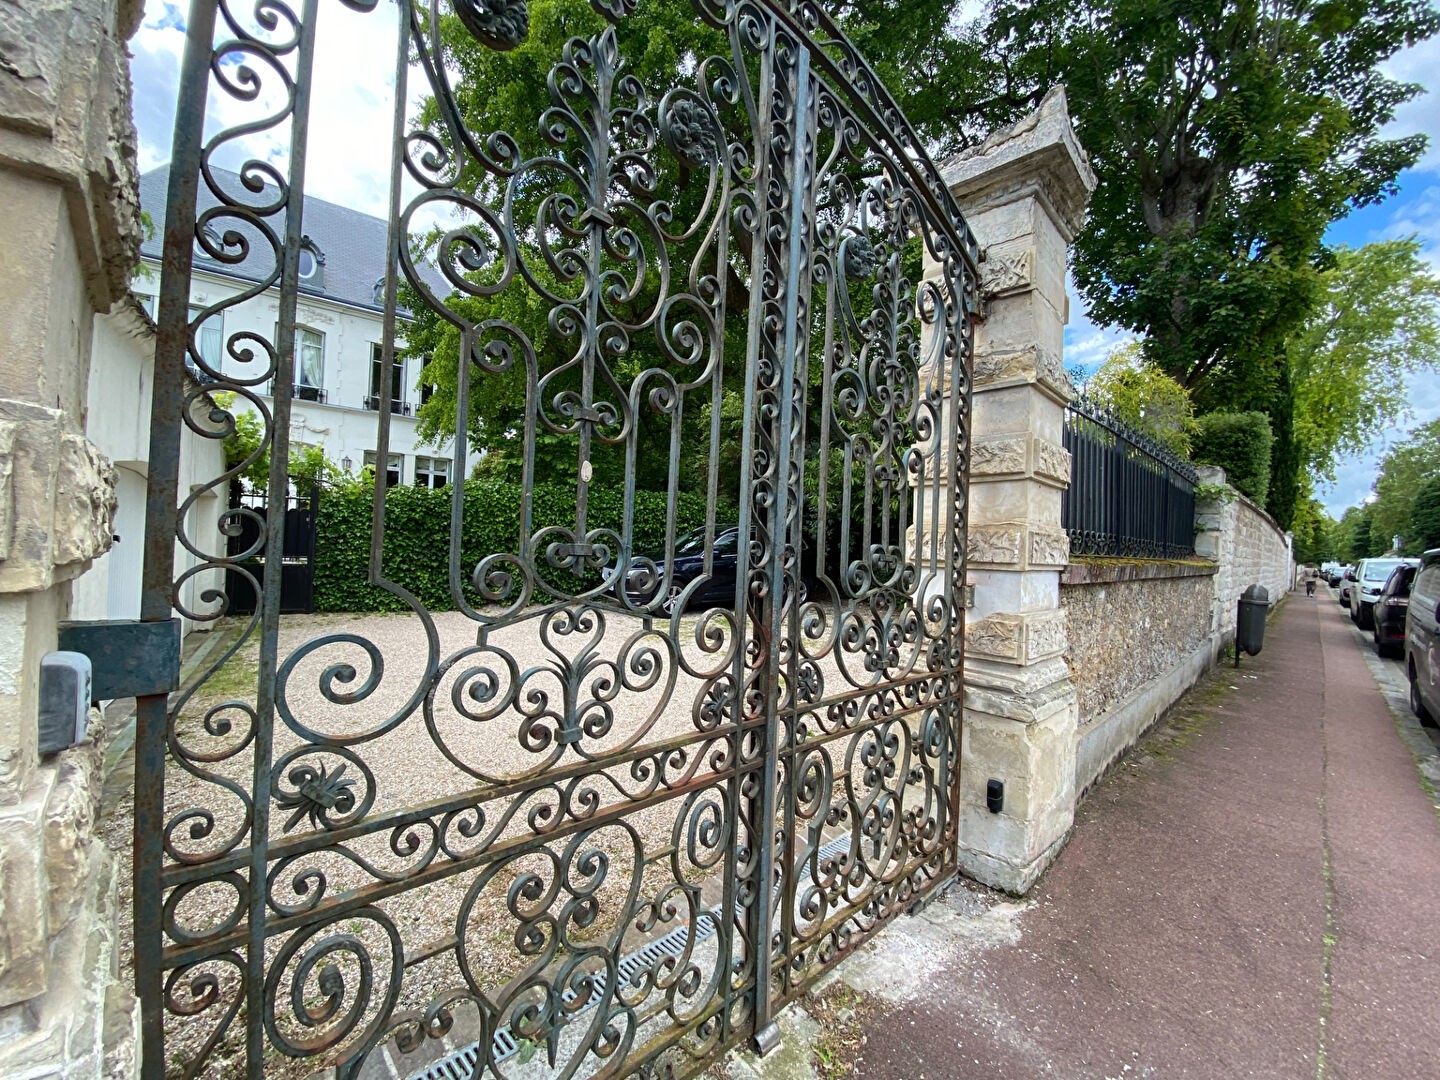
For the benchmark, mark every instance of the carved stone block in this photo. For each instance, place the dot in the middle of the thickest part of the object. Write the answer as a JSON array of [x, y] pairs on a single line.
[[84, 501], [1049, 547], [1006, 274], [996, 637], [998, 457], [1052, 462], [1044, 635], [997, 544]]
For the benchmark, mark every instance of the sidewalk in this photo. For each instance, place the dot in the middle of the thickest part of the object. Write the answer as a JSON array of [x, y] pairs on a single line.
[[1250, 894]]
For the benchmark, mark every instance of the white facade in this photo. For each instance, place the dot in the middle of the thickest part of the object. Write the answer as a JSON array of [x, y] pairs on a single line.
[[122, 372], [337, 399]]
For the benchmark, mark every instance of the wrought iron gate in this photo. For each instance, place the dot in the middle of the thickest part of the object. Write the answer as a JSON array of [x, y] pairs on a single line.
[[643, 828]]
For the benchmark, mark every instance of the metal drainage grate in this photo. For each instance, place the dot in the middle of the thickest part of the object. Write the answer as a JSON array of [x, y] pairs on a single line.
[[464, 1064]]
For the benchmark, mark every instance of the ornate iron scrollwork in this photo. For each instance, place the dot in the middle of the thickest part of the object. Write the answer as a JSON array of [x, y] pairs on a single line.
[[498, 24], [644, 825]]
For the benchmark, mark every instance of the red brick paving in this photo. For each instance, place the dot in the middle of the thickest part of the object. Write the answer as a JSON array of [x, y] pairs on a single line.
[[1182, 931]]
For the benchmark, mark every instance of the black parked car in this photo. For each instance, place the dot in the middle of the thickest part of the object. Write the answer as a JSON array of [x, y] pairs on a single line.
[[643, 587], [687, 582], [1390, 609]]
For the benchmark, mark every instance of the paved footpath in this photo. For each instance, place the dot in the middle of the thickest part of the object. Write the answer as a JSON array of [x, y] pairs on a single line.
[[1253, 893]]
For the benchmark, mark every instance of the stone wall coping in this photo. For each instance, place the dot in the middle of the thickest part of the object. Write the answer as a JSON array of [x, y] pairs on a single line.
[[1104, 571]]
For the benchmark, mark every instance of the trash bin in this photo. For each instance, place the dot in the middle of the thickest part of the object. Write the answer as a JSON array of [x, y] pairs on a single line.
[[1254, 604]]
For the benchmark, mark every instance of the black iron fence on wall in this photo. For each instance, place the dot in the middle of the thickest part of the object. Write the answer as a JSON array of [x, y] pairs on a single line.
[[1129, 495]]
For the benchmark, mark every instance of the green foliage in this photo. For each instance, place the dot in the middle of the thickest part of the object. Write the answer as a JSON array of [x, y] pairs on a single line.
[[1424, 532], [246, 443], [417, 537], [1404, 470], [1316, 539], [1377, 322], [1240, 444], [1144, 396], [1353, 534], [1225, 137]]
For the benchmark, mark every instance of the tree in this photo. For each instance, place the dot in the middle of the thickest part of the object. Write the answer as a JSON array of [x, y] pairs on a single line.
[[1403, 472], [1425, 516], [1226, 136], [246, 443], [1316, 533], [1144, 396], [1377, 322], [1353, 535]]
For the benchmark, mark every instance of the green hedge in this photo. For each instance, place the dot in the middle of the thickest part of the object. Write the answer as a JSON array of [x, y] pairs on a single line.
[[1240, 444], [417, 536]]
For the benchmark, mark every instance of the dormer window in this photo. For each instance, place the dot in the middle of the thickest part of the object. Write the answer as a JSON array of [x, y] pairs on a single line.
[[312, 264]]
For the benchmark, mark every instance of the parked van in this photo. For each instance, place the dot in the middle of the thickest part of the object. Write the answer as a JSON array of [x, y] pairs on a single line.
[[1422, 640]]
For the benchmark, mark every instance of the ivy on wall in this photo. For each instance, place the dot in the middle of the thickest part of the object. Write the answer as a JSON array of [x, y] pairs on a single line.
[[417, 536]]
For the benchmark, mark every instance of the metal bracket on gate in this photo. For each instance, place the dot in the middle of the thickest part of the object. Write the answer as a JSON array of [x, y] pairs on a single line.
[[127, 658]]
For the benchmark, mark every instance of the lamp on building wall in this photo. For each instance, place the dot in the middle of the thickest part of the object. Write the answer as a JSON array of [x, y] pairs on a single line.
[[345, 463]]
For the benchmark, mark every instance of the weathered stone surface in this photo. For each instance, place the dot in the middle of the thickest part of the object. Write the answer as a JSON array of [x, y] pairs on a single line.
[[24, 938], [997, 636], [65, 114], [1038, 156], [1029, 364], [1052, 462], [1002, 274], [998, 457], [996, 544], [1125, 633], [84, 502], [1049, 547]]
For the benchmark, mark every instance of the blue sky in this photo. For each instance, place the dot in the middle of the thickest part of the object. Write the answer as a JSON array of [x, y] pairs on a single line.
[[353, 101]]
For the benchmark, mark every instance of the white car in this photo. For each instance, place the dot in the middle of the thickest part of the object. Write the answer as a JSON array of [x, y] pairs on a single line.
[[1370, 578]]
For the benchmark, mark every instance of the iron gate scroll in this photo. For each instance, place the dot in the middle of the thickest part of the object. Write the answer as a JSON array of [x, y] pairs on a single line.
[[573, 770]]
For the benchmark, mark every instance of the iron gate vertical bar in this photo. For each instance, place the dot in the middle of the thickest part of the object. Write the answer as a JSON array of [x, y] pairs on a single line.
[[279, 486], [765, 1033], [167, 400]]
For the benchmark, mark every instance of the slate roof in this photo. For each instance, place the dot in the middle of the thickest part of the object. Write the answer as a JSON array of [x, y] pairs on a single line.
[[352, 244]]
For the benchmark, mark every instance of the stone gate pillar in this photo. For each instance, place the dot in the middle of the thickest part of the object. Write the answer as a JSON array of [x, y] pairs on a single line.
[[69, 239], [1024, 193]]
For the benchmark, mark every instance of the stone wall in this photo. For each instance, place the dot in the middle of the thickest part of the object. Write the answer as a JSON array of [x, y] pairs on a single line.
[[69, 238], [1248, 545], [1141, 633]]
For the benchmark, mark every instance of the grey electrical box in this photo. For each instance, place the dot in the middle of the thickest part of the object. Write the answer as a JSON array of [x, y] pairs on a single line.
[[64, 700]]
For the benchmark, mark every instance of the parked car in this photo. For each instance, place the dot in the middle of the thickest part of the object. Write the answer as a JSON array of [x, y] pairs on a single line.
[[1422, 640], [644, 588], [1370, 578], [1388, 621], [1347, 579]]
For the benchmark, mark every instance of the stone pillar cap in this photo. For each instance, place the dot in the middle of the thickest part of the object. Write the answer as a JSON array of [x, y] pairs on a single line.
[[1038, 155]]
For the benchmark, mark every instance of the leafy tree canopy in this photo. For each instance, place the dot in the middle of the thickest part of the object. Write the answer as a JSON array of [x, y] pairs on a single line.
[[1406, 469], [1425, 516], [1144, 396], [1377, 322]]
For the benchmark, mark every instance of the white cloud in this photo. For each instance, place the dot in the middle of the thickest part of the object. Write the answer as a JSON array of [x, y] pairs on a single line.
[[1418, 64], [348, 156]]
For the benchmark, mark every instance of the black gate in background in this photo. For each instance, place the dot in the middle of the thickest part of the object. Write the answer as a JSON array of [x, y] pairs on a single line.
[[297, 576], [569, 815]]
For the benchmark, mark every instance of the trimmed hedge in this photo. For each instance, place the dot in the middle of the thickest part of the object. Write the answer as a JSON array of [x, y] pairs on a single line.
[[1240, 444], [417, 536]]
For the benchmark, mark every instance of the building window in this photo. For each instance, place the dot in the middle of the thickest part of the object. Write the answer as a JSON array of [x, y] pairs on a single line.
[[309, 364], [147, 303], [397, 381], [432, 472], [392, 472], [209, 337]]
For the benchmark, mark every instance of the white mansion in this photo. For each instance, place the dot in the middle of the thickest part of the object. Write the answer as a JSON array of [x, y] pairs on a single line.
[[337, 392]]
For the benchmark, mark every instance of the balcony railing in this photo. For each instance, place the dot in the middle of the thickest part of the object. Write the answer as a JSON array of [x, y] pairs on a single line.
[[401, 408]]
